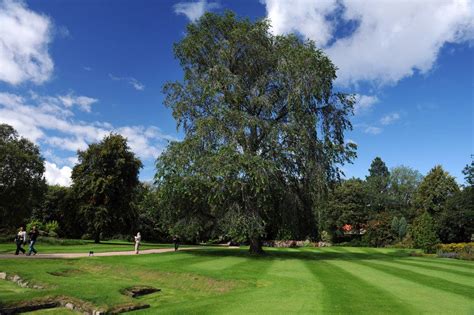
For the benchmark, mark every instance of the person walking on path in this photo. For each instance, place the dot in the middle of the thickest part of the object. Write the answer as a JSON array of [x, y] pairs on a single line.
[[176, 242], [20, 239], [33, 235], [138, 239]]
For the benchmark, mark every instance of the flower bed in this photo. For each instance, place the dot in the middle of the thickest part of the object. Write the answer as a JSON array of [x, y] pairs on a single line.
[[456, 250]]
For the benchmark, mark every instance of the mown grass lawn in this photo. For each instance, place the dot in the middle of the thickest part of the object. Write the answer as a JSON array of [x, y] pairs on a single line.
[[82, 247], [216, 281]]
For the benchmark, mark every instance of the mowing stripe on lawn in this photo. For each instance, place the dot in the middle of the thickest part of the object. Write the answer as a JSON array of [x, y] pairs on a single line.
[[426, 270], [434, 282], [275, 291], [345, 293], [448, 269], [461, 265], [414, 296]]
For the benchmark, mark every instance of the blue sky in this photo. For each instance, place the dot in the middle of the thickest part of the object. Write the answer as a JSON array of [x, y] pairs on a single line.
[[72, 71]]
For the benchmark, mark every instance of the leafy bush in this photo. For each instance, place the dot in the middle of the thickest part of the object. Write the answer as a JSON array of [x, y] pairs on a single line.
[[456, 250], [52, 228], [379, 231], [326, 237], [407, 242], [86, 236], [34, 222]]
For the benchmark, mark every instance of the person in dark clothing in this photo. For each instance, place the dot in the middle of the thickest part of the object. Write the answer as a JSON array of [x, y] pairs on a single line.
[[20, 239], [33, 235], [176, 242]]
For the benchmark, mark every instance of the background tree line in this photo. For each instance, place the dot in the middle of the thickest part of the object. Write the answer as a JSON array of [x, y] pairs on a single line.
[[401, 206]]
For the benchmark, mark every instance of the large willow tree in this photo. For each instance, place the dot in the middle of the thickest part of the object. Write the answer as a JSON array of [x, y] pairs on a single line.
[[264, 133]]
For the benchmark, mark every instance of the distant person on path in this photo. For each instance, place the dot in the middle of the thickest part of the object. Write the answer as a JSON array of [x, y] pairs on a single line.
[[138, 239], [176, 242], [20, 239], [33, 235]]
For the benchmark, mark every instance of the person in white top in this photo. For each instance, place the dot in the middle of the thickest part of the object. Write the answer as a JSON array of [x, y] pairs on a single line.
[[20, 239], [138, 239]]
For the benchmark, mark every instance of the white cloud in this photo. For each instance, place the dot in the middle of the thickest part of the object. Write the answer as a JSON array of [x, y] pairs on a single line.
[[57, 103], [194, 10], [137, 85], [389, 119], [34, 119], [57, 175], [307, 17], [24, 39], [373, 130], [364, 103], [83, 102], [392, 39]]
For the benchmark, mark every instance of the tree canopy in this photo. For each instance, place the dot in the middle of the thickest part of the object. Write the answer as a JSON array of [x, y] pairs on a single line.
[[104, 183], [261, 122], [468, 172], [403, 183], [434, 190], [21, 177]]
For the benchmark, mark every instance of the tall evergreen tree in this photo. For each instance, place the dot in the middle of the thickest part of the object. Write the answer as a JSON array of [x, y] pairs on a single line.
[[377, 185]]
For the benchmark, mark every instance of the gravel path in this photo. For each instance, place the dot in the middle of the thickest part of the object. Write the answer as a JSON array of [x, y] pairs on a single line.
[[79, 255]]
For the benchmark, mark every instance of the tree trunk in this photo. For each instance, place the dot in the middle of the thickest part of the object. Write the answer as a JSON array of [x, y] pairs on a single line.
[[256, 246], [97, 237]]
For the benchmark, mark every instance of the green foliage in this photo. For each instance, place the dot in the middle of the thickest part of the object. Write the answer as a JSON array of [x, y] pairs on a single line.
[[468, 172], [403, 183], [21, 177], [402, 228], [378, 171], [52, 228], [60, 205], [395, 225], [456, 250], [434, 190], [326, 237], [456, 221], [146, 204], [399, 227], [377, 185], [424, 233], [264, 132], [38, 224], [379, 231], [104, 183], [348, 205]]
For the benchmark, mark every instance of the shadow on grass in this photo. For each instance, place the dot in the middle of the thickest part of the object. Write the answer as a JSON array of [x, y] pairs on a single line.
[[275, 254]]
